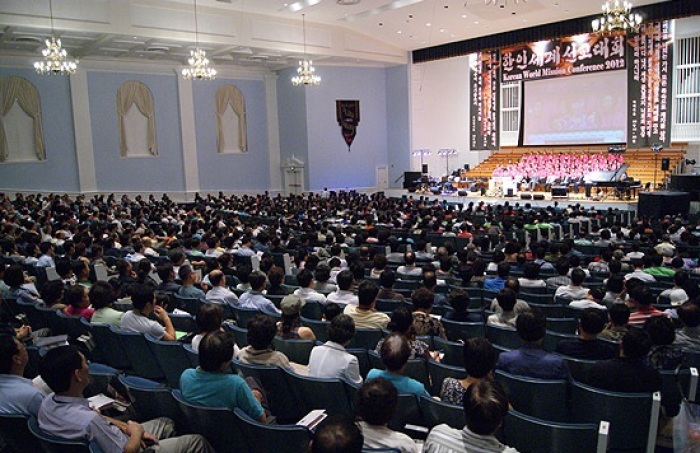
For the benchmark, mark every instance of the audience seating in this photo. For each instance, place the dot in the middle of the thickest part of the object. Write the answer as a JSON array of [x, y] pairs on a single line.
[[296, 350], [262, 437], [244, 315], [439, 371], [312, 310], [463, 330], [506, 337], [188, 304], [239, 333], [15, 433], [142, 360], [319, 393], [366, 338], [55, 444], [319, 328], [435, 412], [551, 339], [170, 357], [151, 399], [541, 398], [454, 351], [579, 368], [415, 368], [562, 325]]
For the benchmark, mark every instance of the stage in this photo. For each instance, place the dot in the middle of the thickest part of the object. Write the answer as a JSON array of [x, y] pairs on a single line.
[[476, 197]]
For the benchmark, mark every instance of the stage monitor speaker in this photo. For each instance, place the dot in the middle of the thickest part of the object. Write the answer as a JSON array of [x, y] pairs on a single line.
[[436, 190], [525, 196], [466, 167], [483, 191], [538, 196], [665, 163], [560, 191], [658, 204], [509, 193], [425, 168], [462, 193], [410, 179]]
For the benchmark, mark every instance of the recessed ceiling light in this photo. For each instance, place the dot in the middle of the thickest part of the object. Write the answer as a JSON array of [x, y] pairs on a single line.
[[428, 24], [399, 32], [464, 16], [476, 22], [442, 30]]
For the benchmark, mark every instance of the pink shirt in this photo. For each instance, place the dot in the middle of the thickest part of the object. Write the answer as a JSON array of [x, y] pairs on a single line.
[[84, 312]]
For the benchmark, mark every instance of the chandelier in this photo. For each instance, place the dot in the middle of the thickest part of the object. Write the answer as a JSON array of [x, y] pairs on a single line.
[[56, 59], [305, 71], [199, 63], [617, 17]]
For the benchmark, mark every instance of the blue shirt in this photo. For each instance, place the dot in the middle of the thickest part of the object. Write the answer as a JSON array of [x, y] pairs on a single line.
[[533, 361], [256, 300], [403, 384], [219, 390], [190, 292], [18, 396], [494, 284]]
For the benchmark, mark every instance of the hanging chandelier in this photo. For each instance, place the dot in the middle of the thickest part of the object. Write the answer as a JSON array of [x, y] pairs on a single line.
[[56, 59], [199, 68], [617, 17], [306, 71]]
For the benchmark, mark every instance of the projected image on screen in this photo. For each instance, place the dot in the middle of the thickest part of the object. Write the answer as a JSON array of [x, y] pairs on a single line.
[[580, 109]]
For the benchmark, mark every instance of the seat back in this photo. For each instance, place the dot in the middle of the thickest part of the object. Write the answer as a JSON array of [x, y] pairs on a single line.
[[183, 322], [171, 358], [463, 330], [439, 371], [68, 325], [389, 305], [192, 355], [579, 369], [548, 309], [36, 318], [552, 339], [319, 393], [15, 433], [217, 424], [152, 400], [108, 349], [454, 351], [436, 412], [244, 315], [55, 444], [319, 328], [262, 437], [239, 333], [366, 338], [505, 337], [532, 435], [188, 304], [541, 398], [296, 350], [562, 325], [407, 411], [142, 360], [633, 417], [312, 310]]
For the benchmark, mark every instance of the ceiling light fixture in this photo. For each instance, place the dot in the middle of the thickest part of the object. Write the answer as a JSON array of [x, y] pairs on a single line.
[[56, 59], [305, 71], [501, 3], [617, 17], [199, 63]]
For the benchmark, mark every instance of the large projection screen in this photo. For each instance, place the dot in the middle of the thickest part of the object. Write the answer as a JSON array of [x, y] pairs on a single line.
[[576, 110]]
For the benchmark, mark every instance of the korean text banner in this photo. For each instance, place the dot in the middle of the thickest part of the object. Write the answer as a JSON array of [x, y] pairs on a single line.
[[484, 88]]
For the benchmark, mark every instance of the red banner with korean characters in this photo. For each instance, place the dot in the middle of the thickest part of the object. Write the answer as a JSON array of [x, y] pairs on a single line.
[[484, 90]]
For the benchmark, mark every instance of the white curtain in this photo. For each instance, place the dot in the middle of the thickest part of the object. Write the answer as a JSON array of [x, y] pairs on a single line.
[[134, 92], [16, 88], [230, 95]]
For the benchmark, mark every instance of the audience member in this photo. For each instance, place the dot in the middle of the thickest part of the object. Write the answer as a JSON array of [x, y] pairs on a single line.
[[101, 297], [395, 352], [336, 434], [402, 322], [618, 325], [261, 332], [587, 347], [364, 313], [688, 336], [664, 354], [137, 320], [574, 290], [505, 317], [290, 326], [331, 360], [423, 323], [219, 293], [78, 302], [254, 298], [17, 394], [640, 304], [479, 361]]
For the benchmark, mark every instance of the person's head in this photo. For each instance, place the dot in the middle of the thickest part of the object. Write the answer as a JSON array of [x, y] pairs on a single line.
[[276, 276], [615, 284], [305, 277], [367, 292], [409, 258], [661, 330], [46, 248], [209, 317], [531, 326], [422, 299], [577, 277], [166, 271], [430, 280], [619, 314], [636, 344], [13, 355], [322, 273], [376, 401], [77, 296], [217, 278], [341, 329], [596, 294], [14, 276], [141, 296], [680, 279], [387, 278], [506, 299], [291, 306], [485, 407], [80, 270], [503, 269], [53, 292], [459, 300], [186, 274], [479, 357], [562, 266], [592, 321], [216, 351], [337, 433], [689, 314], [395, 352], [531, 271], [261, 332], [257, 280], [64, 368], [379, 262], [642, 295], [101, 295], [401, 321]]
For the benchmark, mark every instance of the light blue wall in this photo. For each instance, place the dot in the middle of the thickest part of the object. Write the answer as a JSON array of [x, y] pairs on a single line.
[[330, 164], [59, 172], [398, 122], [148, 174], [291, 110], [248, 171]]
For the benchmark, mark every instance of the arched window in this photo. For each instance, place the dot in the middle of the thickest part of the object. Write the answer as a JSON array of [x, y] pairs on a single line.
[[231, 125], [136, 120], [21, 133]]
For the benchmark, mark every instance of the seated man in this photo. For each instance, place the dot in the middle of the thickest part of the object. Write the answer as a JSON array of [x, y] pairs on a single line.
[[497, 283], [640, 302], [387, 279], [343, 295], [306, 288], [254, 298], [65, 413], [574, 290], [562, 277], [261, 331], [531, 360], [586, 346], [331, 360], [365, 314], [593, 299], [630, 371], [219, 293], [137, 320], [166, 273], [618, 316], [485, 407], [520, 305], [212, 385], [188, 279], [409, 268], [17, 395], [337, 433], [375, 404], [395, 352], [688, 336], [506, 317]]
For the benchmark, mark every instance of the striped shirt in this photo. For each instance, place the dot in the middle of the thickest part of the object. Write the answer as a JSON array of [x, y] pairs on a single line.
[[443, 439], [640, 316]]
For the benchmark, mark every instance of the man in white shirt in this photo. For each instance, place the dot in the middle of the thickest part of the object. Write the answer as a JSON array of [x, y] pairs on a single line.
[[137, 320], [305, 291], [639, 273], [410, 267], [220, 294], [47, 254], [331, 360], [343, 295], [574, 290], [17, 395]]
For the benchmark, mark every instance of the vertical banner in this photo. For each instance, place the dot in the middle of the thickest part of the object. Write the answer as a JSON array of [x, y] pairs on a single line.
[[347, 113], [485, 91], [650, 73]]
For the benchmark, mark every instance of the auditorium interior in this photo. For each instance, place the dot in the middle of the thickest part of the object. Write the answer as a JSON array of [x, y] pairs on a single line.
[[357, 134]]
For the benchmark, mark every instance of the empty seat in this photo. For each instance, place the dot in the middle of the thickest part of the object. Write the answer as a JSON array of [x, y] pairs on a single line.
[[541, 398], [262, 437]]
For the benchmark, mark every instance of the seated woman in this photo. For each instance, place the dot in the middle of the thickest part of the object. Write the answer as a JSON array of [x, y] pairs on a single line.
[[78, 302], [101, 296], [212, 385], [209, 318], [290, 326], [402, 322], [423, 323], [459, 301], [479, 362]]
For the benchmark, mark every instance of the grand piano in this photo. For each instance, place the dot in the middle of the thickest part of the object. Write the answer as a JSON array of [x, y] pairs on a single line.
[[615, 179]]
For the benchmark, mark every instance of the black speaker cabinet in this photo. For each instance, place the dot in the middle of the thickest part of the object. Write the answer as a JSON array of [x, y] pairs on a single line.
[[425, 168], [665, 163], [659, 204], [462, 193], [436, 190], [538, 196], [525, 196], [509, 193], [560, 191], [410, 179]]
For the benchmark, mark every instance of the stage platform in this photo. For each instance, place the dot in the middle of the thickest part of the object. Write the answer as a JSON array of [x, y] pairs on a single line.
[[476, 197]]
